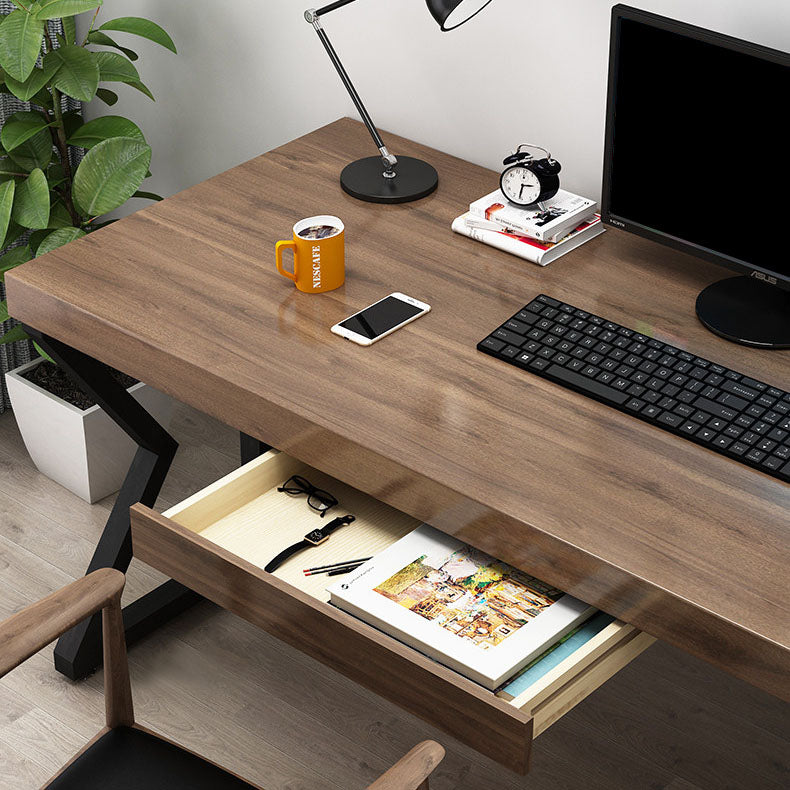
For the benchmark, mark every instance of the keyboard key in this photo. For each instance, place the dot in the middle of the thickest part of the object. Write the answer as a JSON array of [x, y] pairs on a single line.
[[651, 411], [684, 410], [524, 358], [723, 441], [591, 371], [689, 427], [588, 385], [755, 455], [673, 420], [539, 364], [717, 424], [758, 385], [509, 337], [493, 344], [510, 351], [548, 300], [777, 434], [783, 452], [516, 326], [706, 434], [739, 448], [634, 404], [716, 409], [740, 390], [525, 317], [772, 462]]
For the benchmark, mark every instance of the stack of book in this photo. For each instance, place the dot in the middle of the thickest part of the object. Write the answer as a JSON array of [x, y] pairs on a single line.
[[465, 609], [538, 234]]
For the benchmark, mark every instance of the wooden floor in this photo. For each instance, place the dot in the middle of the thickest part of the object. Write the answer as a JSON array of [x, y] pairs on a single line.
[[250, 702]]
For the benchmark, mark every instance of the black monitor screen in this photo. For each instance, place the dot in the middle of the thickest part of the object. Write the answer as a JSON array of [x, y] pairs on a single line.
[[698, 147]]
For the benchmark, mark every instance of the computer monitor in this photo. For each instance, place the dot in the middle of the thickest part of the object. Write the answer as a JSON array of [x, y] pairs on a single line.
[[697, 157]]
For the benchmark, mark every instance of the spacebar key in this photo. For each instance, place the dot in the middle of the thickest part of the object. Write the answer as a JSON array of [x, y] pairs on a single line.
[[587, 385]]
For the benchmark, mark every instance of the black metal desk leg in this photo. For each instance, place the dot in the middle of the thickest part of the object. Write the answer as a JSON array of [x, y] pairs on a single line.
[[250, 448], [78, 652]]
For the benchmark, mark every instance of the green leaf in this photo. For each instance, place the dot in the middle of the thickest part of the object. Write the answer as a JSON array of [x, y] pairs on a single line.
[[4, 312], [42, 99], [147, 195], [31, 202], [57, 239], [110, 173], [103, 128], [59, 216], [78, 75], [43, 354], [6, 202], [14, 258], [72, 121], [143, 89], [38, 78], [103, 40], [54, 9], [107, 96], [20, 44], [14, 334], [35, 152], [115, 68], [141, 27], [36, 237], [20, 127], [55, 175], [69, 29], [12, 234]]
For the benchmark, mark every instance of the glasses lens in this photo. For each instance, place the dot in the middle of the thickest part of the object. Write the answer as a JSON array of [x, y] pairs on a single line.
[[296, 485], [321, 500]]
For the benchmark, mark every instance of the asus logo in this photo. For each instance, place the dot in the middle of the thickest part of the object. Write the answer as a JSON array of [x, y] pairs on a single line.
[[765, 277], [617, 222]]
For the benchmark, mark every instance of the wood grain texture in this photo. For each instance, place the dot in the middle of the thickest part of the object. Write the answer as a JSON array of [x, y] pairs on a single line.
[[28, 631], [416, 683], [228, 690], [411, 772], [685, 544]]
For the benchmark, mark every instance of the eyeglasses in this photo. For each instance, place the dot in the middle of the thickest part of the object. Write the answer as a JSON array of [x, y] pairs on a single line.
[[317, 498]]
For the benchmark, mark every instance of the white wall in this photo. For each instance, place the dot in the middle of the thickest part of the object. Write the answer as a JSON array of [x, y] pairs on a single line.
[[252, 75]]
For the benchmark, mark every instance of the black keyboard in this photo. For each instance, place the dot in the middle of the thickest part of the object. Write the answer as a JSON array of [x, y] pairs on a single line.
[[709, 404]]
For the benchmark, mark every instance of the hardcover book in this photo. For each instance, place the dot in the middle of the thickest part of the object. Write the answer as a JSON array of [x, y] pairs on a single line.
[[549, 221], [540, 252], [463, 608]]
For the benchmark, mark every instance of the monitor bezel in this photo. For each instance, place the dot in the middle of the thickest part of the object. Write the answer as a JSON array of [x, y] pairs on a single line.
[[623, 12]]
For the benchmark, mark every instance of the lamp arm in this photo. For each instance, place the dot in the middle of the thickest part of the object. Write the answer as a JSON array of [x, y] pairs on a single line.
[[388, 160]]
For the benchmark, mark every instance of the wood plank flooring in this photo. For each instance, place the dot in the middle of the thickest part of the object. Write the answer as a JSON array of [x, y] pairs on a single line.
[[225, 689]]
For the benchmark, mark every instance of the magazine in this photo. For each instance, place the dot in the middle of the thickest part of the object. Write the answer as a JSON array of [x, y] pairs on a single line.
[[463, 608], [549, 221], [539, 252]]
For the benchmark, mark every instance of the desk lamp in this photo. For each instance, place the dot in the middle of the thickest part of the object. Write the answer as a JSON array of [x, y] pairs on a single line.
[[386, 178]]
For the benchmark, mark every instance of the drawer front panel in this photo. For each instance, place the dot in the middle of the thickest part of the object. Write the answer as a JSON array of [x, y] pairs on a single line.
[[382, 664]]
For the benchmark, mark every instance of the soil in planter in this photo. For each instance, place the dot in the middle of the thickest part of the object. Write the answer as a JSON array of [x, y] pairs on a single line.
[[51, 378]]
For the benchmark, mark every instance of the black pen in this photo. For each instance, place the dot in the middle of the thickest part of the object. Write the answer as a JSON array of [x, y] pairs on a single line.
[[334, 565], [340, 571]]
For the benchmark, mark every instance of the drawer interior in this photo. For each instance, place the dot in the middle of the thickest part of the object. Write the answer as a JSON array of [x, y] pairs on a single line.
[[245, 514]]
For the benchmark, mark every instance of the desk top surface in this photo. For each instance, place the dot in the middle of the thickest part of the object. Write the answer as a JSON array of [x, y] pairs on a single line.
[[686, 544]]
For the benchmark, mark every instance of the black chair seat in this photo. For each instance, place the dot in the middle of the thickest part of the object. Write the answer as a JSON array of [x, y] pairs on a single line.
[[129, 759]]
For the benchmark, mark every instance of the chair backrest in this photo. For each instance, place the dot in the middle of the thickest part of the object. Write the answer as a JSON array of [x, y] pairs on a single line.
[[33, 628]]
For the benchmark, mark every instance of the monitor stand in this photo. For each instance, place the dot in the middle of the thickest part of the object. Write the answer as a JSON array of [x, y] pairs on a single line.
[[748, 311]]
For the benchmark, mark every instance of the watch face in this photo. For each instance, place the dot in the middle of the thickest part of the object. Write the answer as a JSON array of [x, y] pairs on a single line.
[[520, 185], [316, 536]]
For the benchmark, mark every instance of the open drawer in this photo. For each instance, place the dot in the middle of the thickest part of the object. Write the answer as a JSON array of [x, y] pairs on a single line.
[[218, 541]]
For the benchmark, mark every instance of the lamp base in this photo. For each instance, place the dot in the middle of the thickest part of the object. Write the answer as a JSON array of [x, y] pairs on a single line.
[[364, 180]]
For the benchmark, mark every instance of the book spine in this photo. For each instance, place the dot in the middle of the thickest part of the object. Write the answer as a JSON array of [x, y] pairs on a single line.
[[523, 249]]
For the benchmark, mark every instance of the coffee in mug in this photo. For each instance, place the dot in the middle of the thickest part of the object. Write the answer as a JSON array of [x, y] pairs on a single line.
[[319, 254]]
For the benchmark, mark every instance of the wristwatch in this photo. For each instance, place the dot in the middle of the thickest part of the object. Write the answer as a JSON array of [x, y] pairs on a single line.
[[314, 538]]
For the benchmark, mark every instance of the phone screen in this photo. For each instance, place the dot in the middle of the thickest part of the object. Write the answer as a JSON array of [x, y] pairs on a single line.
[[379, 318]]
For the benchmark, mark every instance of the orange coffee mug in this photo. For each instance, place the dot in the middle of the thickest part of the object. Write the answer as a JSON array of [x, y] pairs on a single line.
[[319, 254]]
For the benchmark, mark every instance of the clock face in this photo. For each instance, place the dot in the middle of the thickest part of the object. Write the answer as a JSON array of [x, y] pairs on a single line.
[[520, 185]]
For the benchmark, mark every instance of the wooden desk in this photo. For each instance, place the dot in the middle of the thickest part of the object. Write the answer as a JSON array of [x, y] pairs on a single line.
[[687, 545]]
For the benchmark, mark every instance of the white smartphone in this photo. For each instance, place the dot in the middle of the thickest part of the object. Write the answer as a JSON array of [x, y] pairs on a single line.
[[380, 319]]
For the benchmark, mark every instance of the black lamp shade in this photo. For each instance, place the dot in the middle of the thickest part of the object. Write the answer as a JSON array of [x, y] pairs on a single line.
[[451, 14]]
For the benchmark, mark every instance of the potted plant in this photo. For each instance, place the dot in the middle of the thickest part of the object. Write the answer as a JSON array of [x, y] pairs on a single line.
[[44, 195]]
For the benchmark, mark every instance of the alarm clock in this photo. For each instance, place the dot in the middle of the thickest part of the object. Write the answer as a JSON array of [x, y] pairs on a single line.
[[526, 181]]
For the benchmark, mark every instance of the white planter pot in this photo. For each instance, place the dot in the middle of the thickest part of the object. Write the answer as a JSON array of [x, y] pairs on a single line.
[[84, 451]]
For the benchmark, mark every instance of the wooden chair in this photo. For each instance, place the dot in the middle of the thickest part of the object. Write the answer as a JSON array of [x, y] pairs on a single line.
[[124, 755]]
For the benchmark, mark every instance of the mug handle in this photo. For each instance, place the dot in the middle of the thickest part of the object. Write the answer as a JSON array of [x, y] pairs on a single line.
[[278, 251]]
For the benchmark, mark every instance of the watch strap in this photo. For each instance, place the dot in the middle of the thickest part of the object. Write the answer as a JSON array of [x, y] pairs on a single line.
[[285, 554]]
